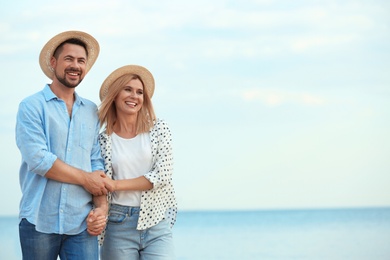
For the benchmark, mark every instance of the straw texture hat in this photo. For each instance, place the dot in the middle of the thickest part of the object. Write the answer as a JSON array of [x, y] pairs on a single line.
[[49, 48], [143, 73]]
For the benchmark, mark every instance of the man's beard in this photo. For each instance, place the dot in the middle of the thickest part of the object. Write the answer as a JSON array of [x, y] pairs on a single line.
[[65, 82]]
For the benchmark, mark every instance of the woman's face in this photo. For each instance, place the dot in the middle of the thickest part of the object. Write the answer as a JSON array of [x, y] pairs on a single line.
[[131, 98]]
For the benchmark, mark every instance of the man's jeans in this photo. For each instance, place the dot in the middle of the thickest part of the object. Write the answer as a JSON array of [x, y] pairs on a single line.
[[41, 246]]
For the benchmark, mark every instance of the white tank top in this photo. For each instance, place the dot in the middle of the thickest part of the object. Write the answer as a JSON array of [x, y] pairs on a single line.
[[131, 158]]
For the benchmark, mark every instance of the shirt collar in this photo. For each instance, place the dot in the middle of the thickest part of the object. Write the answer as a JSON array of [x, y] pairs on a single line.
[[49, 95]]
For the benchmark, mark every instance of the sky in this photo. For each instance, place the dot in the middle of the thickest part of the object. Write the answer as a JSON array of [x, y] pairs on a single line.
[[272, 104]]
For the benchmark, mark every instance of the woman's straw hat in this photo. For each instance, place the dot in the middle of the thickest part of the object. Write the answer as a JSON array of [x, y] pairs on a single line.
[[143, 73], [49, 48]]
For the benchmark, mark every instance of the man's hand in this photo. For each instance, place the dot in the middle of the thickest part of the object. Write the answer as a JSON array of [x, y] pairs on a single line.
[[94, 183], [96, 221], [110, 184]]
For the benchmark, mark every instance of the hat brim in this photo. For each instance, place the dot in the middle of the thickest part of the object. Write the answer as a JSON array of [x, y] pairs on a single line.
[[143, 73], [49, 48]]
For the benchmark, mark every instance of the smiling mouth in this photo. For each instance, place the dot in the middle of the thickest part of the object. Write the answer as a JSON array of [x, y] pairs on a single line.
[[73, 73], [131, 103]]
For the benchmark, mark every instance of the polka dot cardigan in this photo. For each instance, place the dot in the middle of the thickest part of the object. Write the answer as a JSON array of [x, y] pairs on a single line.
[[159, 202]]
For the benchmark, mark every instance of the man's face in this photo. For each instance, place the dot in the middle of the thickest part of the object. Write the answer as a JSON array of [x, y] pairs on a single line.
[[69, 68]]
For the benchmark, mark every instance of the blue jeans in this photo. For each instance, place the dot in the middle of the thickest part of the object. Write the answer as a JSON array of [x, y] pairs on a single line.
[[124, 241], [40, 246]]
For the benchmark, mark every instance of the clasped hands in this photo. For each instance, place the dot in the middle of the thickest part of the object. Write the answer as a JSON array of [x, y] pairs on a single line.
[[96, 221], [97, 183]]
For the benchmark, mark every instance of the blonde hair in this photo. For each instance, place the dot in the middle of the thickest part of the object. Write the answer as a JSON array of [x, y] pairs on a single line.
[[107, 110]]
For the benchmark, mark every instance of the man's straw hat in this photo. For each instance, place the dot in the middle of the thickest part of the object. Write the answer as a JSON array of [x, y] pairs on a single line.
[[49, 48]]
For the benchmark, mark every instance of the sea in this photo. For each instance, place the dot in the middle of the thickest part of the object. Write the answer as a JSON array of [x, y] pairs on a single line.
[[331, 234]]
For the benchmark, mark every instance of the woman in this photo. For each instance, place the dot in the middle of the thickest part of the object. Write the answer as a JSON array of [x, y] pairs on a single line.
[[136, 147]]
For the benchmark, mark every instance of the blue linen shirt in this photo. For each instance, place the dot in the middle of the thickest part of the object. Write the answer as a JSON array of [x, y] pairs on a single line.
[[45, 132]]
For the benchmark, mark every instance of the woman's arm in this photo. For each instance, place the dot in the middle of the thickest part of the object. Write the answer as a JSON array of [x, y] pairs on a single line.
[[136, 184]]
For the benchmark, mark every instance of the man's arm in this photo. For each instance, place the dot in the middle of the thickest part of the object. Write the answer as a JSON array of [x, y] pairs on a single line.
[[93, 182]]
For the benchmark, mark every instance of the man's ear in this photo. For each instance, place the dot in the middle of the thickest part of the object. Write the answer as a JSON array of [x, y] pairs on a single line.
[[53, 62]]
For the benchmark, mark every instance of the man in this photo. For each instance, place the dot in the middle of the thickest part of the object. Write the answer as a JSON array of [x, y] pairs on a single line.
[[56, 133]]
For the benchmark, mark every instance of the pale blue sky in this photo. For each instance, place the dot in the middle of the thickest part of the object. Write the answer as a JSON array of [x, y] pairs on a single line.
[[272, 104]]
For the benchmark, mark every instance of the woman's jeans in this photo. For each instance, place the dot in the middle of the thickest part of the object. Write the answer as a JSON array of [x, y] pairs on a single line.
[[36, 245], [123, 241]]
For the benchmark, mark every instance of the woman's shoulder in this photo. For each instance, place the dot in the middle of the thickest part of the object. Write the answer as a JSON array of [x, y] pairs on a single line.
[[103, 136], [160, 122], [160, 125]]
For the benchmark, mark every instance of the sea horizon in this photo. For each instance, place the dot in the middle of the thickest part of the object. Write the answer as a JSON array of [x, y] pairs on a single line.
[[264, 209], [308, 233]]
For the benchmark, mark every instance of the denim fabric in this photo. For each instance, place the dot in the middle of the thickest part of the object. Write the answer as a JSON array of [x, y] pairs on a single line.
[[37, 246], [45, 132], [124, 241]]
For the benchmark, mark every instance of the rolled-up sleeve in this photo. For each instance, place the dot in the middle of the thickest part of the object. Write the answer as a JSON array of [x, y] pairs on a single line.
[[162, 169], [31, 140]]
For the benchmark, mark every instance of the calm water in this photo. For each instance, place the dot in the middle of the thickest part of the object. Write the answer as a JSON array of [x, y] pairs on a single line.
[[291, 234]]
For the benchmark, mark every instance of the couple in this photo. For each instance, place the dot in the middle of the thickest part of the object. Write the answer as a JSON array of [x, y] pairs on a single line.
[[76, 183]]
